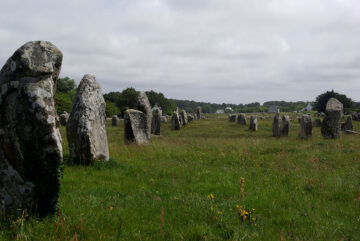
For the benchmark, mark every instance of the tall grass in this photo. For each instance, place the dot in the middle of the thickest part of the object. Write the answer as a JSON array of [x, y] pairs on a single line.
[[191, 185]]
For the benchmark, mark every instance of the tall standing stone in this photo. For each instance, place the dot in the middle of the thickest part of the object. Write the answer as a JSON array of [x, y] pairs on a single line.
[[115, 120], [183, 116], [253, 123], [305, 126], [64, 117], [190, 118], [135, 127], [199, 113], [348, 124], [331, 125], [30, 140], [144, 106], [175, 121], [85, 130], [241, 119], [281, 125], [156, 121]]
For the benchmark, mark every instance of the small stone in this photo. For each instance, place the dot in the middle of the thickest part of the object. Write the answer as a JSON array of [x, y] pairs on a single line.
[[305, 127], [241, 119], [232, 117], [156, 121], [331, 125], [115, 120], [253, 123]]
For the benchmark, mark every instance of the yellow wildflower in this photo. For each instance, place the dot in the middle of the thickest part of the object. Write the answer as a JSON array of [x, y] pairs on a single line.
[[111, 208]]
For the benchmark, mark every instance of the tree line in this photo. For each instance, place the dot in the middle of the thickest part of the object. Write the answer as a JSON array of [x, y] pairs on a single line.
[[117, 102]]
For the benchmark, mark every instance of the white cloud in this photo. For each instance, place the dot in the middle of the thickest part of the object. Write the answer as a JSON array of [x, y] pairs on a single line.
[[209, 50]]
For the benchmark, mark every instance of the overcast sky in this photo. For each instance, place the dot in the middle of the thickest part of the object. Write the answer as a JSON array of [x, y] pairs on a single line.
[[232, 51]]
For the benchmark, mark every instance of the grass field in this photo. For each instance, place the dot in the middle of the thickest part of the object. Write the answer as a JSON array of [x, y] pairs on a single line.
[[195, 183]]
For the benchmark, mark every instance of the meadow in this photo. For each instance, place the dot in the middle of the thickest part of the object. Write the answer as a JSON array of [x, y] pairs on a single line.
[[211, 180]]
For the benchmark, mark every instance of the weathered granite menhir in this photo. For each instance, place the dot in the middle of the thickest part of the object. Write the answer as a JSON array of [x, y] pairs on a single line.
[[281, 125], [331, 125], [115, 120], [85, 130], [175, 121], [156, 121], [30, 140], [64, 117], [253, 123], [305, 127], [241, 119]]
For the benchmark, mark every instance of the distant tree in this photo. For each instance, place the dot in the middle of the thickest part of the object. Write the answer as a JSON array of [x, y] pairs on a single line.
[[111, 109], [321, 100], [65, 93], [159, 99]]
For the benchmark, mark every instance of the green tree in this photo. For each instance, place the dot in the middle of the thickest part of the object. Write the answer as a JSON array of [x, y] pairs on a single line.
[[321, 100], [111, 109], [65, 93]]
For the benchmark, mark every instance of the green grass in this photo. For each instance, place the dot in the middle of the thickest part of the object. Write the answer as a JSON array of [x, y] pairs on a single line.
[[300, 189]]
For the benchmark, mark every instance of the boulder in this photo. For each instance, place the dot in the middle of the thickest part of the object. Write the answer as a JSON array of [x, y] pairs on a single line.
[[281, 126], [144, 106], [331, 125], [156, 121], [184, 117], [164, 119], [241, 119], [175, 121], [253, 123], [232, 117], [190, 118], [30, 140], [305, 126], [64, 117], [135, 127], [85, 130], [115, 120], [348, 126]]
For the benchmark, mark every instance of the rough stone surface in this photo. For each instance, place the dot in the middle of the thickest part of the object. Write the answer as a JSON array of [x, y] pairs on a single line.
[[232, 117], [253, 123], [30, 140], [199, 113], [164, 119], [135, 127], [317, 122], [355, 116], [281, 126], [331, 125], [64, 117], [175, 121], [190, 118], [85, 130], [241, 119], [144, 106], [115, 120], [156, 121], [305, 126], [183, 116], [348, 126]]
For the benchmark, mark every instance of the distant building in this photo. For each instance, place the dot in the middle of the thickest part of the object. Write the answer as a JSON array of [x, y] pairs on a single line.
[[307, 108], [273, 109], [219, 111]]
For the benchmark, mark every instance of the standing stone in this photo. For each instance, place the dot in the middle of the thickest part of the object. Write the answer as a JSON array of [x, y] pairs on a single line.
[[144, 106], [175, 121], [305, 127], [183, 116], [85, 130], [163, 119], [355, 116], [30, 140], [331, 124], [156, 121], [317, 122], [64, 118], [253, 123], [199, 113], [348, 124], [115, 120], [232, 117], [135, 127], [281, 126], [241, 119], [190, 118]]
